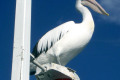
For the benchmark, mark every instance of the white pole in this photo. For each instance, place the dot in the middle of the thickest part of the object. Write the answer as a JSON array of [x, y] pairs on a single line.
[[21, 49]]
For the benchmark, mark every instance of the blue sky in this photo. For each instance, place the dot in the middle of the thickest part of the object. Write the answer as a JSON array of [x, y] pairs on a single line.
[[98, 61]]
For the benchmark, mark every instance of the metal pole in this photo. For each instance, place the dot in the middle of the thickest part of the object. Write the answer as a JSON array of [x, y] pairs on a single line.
[[21, 49]]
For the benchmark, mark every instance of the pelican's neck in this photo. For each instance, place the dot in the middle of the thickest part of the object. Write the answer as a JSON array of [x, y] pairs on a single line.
[[87, 16]]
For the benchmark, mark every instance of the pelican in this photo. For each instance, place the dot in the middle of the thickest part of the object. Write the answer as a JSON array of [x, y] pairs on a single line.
[[63, 43]]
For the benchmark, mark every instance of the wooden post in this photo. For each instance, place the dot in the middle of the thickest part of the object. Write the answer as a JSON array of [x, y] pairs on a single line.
[[21, 49]]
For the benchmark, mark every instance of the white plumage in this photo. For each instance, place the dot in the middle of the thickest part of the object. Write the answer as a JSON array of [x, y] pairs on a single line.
[[63, 43]]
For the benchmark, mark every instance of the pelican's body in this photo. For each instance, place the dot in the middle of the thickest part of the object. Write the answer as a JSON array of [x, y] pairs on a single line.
[[71, 43], [64, 42]]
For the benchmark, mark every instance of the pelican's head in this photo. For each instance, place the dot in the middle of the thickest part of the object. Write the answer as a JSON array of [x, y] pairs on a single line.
[[95, 6]]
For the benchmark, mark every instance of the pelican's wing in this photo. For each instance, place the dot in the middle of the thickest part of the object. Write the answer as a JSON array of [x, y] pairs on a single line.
[[51, 37]]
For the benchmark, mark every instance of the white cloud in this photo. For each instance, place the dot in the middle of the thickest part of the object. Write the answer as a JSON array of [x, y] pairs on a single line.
[[113, 8]]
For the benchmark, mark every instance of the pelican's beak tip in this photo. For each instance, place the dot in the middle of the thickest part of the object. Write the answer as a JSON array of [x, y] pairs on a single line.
[[107, 14]]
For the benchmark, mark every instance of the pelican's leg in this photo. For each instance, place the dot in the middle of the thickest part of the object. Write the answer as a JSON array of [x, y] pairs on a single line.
[[57, 56], [58, 60]]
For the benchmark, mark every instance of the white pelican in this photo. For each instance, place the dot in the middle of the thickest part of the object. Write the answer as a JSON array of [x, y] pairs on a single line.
[[63, 43]]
